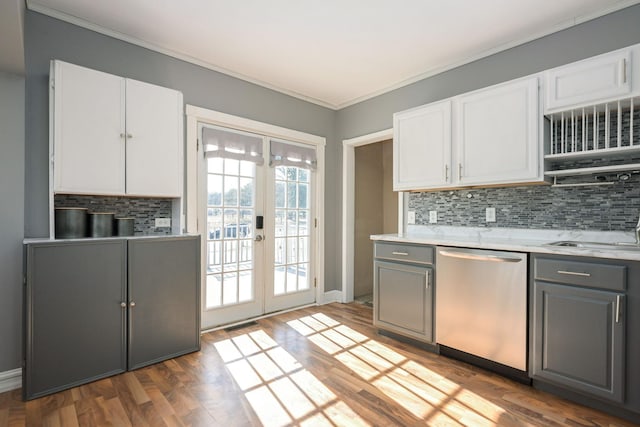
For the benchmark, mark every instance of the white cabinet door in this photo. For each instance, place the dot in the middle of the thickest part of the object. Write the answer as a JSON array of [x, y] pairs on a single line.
[[497, 135], [154, 140], [590, 81], [88, 131], [422, 147]]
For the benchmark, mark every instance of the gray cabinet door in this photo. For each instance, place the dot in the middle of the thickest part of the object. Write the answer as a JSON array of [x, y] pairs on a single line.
[[403, 299], [164, 299], [75, 324], [578, 339]]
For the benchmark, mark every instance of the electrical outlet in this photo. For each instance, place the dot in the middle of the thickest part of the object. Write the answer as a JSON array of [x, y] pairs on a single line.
[[491, 214], [163, 222], [411, 217], [433, 217]]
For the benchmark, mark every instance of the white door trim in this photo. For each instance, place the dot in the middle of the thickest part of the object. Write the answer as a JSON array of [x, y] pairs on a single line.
[[348, 207], [197, 115]]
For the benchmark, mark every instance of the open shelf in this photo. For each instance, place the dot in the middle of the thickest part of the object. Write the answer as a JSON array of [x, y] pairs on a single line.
[[595, 154], [594, 170]]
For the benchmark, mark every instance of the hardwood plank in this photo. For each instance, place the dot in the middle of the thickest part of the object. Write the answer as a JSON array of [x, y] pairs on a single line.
[[321, 365]]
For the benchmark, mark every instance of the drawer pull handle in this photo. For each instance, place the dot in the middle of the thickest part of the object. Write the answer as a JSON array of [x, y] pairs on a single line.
[[574, 273], [427, 276], [400, 253]]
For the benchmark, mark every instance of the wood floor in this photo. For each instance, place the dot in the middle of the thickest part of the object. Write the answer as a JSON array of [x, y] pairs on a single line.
[[311, 367]]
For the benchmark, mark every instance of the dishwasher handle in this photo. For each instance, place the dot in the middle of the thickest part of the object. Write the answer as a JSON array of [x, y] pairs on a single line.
[[479, 257]]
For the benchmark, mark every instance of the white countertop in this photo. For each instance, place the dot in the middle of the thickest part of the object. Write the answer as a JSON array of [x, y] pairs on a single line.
[[517, 240], [93, 239]]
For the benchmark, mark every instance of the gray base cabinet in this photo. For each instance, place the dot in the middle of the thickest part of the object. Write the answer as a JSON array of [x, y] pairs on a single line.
[[403, 290], [579, 342], [96, 308], [75, 325], [164, 288], [579, 325]]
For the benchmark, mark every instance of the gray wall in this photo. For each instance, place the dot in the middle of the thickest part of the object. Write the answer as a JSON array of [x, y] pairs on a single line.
[[11, 218], [47, 38]]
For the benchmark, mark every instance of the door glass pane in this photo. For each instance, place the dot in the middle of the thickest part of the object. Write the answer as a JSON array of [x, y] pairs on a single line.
[[230, 218], [292, 220]]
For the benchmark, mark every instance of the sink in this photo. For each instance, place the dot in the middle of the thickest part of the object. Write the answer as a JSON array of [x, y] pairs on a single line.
[[626, 246]]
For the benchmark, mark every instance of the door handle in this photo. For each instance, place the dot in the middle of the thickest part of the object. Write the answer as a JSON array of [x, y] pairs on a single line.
[[259, 238], [618, 301]]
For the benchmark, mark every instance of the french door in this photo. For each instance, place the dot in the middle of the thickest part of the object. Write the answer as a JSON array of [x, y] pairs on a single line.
[[258, 229]]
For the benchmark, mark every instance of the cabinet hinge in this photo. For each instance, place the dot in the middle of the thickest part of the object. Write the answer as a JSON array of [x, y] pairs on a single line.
[[24, 280], [315, 282], [315, 222]]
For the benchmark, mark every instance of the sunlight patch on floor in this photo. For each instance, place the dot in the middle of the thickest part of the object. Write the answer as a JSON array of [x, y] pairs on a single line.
[[278, 388], [426, 394]]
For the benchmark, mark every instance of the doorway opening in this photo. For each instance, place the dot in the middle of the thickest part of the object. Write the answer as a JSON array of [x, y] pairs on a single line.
[[348, 207], [376, 211]]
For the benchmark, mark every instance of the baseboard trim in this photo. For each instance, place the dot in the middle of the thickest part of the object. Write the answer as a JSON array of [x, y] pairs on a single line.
[[332, 296], [10, 380]]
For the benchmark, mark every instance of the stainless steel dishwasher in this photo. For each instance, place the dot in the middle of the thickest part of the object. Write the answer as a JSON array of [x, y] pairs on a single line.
[[481, 304]]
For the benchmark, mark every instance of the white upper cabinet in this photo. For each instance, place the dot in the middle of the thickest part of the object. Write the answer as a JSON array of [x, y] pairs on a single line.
[[88, 130], [114, 136], [497, 135], [154, 140], [487, 137], [422, 147], [591, 81]]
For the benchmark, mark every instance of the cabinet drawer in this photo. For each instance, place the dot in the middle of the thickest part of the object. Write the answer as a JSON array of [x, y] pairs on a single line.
[[403, 252], [592, 274]]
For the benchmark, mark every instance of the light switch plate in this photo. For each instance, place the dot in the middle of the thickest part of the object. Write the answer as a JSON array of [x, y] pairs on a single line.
[[491, 214], [411, 217], [163, 222], [433, 217]]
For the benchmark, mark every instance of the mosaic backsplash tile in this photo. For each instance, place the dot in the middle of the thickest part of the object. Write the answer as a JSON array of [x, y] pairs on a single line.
[[608, 208], [143, 210]]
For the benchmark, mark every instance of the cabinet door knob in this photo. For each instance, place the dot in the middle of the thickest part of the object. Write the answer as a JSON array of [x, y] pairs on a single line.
[[123, 304], [129, 136], [132, 304]]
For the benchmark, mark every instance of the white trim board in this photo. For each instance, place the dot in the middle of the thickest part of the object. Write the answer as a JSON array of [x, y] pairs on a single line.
[[348, 207], [10, 380]]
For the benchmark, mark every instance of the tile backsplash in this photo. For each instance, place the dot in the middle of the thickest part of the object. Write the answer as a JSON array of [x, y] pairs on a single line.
[[143, 210], [609, 208]]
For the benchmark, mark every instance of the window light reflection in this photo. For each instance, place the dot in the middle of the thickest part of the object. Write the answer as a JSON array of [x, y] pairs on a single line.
[[423, 392], [278, 388]]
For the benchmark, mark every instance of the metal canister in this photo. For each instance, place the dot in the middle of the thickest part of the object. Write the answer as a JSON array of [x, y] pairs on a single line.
[[124, 226], [70, 223], [101, 224]]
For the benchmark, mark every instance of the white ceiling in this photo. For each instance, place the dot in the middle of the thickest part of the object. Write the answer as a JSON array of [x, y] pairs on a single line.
[[331, 52]]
